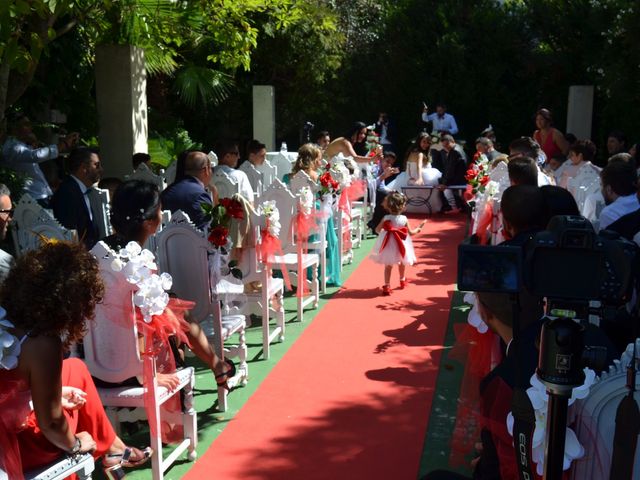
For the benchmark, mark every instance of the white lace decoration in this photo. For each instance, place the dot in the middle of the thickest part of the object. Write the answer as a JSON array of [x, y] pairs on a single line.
[[474, 319], [537, 393], [9, 344], [272, 214], [306, 200], [139, 267]]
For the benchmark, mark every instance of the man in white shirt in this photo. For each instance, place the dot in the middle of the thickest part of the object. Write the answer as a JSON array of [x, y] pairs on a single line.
[[6, 213], [228, 155], [20, 154], [619, 192], [442, 121]]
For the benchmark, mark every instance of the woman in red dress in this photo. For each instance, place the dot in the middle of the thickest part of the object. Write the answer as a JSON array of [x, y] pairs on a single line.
[[550, 139], [50, 406]]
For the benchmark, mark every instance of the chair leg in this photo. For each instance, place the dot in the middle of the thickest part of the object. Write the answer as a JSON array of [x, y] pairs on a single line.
[[265, 321], [280, 315], [190, 420], [314, 287], [156, 444], [242, 348], [300, 298]]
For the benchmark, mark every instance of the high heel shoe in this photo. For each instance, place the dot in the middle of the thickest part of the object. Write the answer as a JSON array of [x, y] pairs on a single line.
[[226, 375], [116, 471]]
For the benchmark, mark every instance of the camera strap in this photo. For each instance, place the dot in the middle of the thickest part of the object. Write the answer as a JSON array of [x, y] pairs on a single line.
[[625, 438], [524, 420]]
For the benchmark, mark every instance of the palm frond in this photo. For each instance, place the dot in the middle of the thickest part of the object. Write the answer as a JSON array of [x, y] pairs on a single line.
[[195, 84]]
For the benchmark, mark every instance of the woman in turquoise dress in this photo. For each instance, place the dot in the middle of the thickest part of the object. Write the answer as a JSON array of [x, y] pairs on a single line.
[[310, 160]]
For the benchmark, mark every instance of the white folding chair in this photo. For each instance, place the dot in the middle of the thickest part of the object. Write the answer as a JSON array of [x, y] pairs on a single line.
[[282, 161], [31, 223], [82, 466], [183, 251], [294, 259], [112, 354]]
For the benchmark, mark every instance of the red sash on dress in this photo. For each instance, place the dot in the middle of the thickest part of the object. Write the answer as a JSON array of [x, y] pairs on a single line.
[[398, 233]]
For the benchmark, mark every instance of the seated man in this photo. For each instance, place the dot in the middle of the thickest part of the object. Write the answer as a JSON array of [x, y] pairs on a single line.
[[619, 192], [453, 174], [228, 155], [189, 193], [523, 171], [71, 205], [257, 154], [6, 212]]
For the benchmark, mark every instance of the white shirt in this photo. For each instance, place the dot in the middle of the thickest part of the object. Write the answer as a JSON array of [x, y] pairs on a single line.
[[244, 186], [6, 262], [83, 189], [21, 157], [620, 207], [447, 122]]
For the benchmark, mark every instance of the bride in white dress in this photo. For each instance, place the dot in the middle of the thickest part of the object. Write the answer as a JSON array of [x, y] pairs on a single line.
[[418, 170]]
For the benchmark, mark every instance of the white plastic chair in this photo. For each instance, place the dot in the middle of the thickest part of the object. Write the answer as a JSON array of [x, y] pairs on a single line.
[[112, 354], [82, 466], [143, 172], [99, 200], [227, 187], [269, 173], [299, 181], [259, 303], [254, 176], [595, 420], [31, 222], [294, 259], [283, 161], [183, 251]]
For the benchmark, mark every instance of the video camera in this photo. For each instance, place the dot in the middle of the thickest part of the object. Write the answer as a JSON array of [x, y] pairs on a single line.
[[568, 261], [571, 266]]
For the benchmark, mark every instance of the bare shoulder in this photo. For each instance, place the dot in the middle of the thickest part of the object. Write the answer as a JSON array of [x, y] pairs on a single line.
[[39, 350]]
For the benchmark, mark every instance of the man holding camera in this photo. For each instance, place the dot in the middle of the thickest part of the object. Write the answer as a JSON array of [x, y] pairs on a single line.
[[20, 153]]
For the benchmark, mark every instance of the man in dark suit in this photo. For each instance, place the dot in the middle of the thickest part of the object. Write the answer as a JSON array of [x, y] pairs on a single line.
[[70, 203], [453, 174], [190, 193]]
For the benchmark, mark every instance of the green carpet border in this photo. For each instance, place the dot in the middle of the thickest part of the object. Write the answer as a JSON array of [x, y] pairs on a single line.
[[211, 422]]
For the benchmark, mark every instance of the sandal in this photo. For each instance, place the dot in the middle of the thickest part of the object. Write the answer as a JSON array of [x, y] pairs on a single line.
[[116, 471], [403, 283], [386, 290], [226, 375]]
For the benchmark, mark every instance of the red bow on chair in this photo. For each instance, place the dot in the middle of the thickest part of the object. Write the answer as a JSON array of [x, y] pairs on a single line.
[[398, 233]]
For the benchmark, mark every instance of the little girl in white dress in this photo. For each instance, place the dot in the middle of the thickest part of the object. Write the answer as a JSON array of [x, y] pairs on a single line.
[[394, 246]]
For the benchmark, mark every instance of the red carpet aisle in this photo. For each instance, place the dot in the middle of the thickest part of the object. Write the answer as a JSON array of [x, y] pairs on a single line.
[[351, 398]]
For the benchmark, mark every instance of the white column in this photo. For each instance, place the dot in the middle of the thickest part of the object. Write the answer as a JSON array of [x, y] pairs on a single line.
[[580, 111], [121, 97], [264, 115]]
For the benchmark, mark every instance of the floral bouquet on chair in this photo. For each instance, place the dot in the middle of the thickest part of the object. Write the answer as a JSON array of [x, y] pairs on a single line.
[[220, 217]]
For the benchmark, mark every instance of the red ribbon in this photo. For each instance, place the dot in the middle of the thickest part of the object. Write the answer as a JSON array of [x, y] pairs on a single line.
[[484, 222], [398, 233], [268, 249]]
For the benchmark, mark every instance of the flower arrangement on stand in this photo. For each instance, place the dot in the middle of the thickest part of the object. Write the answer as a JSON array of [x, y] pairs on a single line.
[[373, 143], [477, 177]]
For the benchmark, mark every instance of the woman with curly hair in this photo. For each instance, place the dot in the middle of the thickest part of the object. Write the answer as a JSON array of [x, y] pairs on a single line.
[[46, 298]]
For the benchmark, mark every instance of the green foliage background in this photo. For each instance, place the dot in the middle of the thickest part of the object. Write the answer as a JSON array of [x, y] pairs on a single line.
[[333, 62]]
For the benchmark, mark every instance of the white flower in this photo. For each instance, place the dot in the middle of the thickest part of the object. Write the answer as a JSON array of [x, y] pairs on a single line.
[[306, 200], [474, 319], [492, 188], [583, 390], [9, 344], [117, 265]]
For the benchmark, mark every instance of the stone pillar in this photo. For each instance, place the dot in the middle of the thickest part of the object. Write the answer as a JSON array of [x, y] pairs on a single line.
[[580, 111], [264, 115], [121, 97]]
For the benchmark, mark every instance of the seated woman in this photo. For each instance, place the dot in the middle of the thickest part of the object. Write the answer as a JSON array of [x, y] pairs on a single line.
[[350, 143], [309, 161], [418, 169], [581, 154], [66, 415], [135, 216]]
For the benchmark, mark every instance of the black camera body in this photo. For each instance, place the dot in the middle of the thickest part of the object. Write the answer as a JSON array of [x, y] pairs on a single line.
[[308, 126], [568, 261]]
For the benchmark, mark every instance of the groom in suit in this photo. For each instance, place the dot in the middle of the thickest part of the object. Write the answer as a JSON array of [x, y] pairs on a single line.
[[70, 203]]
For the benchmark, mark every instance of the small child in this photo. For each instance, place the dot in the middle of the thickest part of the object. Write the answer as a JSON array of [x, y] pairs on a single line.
[[394, 246]]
